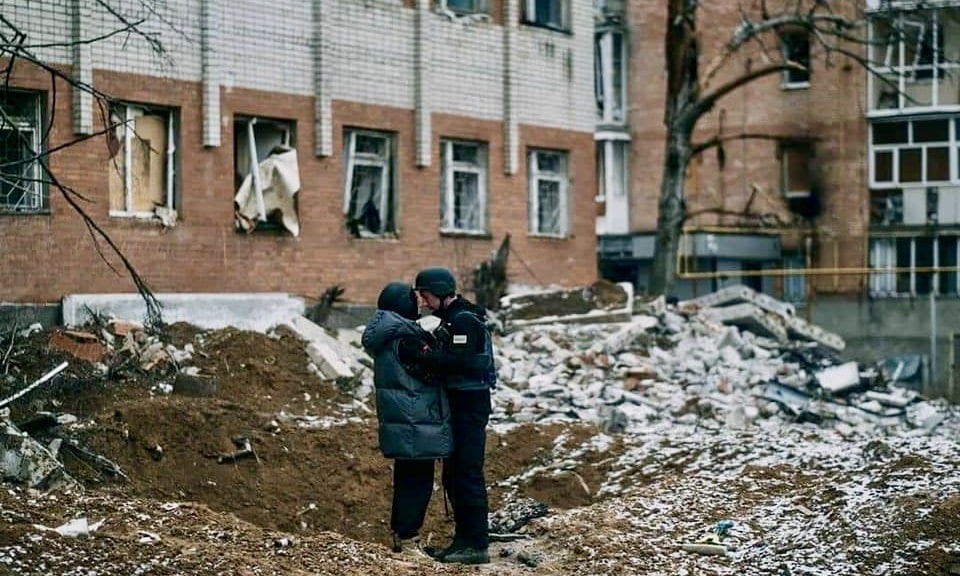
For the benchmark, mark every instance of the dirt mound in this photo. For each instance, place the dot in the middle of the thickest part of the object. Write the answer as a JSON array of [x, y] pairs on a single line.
[[313, 463]]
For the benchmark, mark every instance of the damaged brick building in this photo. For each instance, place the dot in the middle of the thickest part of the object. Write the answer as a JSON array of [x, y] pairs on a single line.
[[842, 208], [389, 135]]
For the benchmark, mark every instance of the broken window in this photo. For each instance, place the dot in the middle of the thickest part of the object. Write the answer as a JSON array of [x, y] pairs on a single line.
[[463, 200], [914, 256], [466, 6], [266, 175], [610, 75], [21, 186], [369, 183], [915, 152], [143, 158], [916, 52], [795, 158], [795, 48], [886, 207], [549, 185], [547, 13]]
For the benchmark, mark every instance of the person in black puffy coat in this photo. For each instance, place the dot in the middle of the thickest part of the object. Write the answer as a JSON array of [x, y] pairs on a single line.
[[413, 413]]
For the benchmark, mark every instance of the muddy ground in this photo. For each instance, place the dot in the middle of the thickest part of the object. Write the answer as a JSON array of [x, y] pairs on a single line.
[[306, 477], [313, 496]]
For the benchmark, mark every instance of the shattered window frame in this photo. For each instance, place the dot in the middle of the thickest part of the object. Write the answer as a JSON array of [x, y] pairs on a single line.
[[22, 187], [451, 202], [795, 47], [610, 75], [913, 252], [356, 215], [544, 181], [915, 54], [124, 137], [249, 157], [552, 14], [795, 155]]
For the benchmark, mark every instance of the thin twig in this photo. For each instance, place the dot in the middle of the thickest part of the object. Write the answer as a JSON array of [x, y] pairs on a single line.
[[13, 337]]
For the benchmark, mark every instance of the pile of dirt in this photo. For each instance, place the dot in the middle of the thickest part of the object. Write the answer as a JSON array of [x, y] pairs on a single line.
[[314, 465]]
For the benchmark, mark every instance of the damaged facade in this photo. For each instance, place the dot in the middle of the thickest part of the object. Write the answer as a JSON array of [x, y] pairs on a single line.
[[861, 183], [299, 145]]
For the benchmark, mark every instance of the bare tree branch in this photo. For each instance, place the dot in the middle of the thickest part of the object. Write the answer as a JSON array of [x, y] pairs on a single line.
[[720, 140], [706, 102]]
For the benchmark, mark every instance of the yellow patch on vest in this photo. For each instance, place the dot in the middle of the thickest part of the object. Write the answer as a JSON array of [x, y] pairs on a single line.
[[459, 338]]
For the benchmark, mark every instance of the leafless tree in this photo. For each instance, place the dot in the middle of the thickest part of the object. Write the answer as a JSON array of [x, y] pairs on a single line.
[[18, 49], [836, 29]]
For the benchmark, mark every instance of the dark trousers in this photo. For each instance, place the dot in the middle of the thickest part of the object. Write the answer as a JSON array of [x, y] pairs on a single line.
[[412, 487], [463, 470]]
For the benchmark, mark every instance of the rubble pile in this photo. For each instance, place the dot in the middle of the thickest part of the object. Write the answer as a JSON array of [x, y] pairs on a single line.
[[731, 357]]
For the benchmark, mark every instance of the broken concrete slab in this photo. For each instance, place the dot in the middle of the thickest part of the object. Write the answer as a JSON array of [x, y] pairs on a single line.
[[600, 302], [24, 460], [749, 317], [246, 311], [803, 329], [841, 378], [740, 294], [330, 364], [339, 353]]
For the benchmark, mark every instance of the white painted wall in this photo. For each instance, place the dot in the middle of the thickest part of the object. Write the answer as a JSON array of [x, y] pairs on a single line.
[[368, 52]]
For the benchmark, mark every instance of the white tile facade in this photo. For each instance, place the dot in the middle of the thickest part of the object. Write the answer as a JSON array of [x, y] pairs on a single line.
[[368, 52]]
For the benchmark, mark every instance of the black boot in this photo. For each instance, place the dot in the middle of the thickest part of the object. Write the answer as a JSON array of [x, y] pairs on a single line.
[[467, 555], [457, 544]]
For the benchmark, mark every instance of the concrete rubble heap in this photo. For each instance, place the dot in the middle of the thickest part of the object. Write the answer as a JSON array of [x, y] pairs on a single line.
[[730, 358]]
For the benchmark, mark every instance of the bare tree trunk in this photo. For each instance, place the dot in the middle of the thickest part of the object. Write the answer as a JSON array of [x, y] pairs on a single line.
[[671, 212]]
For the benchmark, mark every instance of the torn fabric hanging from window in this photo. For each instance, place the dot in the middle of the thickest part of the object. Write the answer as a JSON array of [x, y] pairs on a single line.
[[141, 171], [270, 193], [21, 186], [369, 183], [267, 198]]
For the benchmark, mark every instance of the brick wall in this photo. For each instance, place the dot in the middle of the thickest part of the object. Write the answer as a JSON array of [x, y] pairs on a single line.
[[831, 110], [47, 256], [263, 62]]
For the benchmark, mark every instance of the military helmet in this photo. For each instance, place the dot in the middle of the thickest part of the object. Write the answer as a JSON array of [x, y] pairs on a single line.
[[438, 281]]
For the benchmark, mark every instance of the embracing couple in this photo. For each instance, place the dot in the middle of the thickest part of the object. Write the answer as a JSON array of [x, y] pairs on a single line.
[[433, 402]]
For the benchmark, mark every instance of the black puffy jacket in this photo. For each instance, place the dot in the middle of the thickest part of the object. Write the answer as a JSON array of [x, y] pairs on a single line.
[[413, 416]]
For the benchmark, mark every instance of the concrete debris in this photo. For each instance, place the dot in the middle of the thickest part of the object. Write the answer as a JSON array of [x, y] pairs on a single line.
[[24, 460], [839, 378], [602, 301], [732, 358], [75, 528]]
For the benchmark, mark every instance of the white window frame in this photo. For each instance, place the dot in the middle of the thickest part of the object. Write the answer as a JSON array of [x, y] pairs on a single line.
[[35, 191], [530, 13], [903, 73], [126, 134], [450, 169], [883, 259], [536, 175], [611, 103], [352, 158], [609, 178], [785, 82], [953, 155]]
